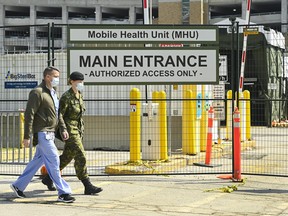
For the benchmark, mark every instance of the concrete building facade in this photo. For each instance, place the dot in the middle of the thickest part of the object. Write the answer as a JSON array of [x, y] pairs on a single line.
[[63, 12]]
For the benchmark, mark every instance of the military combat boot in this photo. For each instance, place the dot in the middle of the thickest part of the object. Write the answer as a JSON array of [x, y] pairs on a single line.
[[90, 189], [49, 183]]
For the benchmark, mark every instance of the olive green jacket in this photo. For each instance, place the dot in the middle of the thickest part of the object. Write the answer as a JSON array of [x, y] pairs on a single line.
[[40, 113]]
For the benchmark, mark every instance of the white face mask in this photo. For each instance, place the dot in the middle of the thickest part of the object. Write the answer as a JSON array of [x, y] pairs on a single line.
[[55, 81], [80, 87]]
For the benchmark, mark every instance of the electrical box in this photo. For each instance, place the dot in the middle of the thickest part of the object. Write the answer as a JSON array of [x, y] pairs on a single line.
[[150, 136]]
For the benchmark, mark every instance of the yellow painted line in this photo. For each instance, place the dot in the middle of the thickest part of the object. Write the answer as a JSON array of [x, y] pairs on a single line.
[[283, 206], [141, 194], [210, 197], [103, 183], [117, 203], [37, 199], [186, 207], [7, 191]]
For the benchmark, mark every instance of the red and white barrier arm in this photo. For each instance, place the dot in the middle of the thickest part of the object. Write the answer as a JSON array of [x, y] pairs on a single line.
[[244, 51], [146, 12]]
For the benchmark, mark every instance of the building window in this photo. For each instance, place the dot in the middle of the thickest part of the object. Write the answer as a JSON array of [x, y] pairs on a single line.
[[77, 13], [48, 13], [17, 12], [185, 11]]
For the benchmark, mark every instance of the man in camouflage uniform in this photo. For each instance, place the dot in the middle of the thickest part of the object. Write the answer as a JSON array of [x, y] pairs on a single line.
[[71, 109]]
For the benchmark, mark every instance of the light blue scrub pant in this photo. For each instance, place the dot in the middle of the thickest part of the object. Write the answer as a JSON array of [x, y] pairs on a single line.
[[47, 153]]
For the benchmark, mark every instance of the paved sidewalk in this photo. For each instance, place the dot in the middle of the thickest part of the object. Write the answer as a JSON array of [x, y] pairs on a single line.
[[153, 195]]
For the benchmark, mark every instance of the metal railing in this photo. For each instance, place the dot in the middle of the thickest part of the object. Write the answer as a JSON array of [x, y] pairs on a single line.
[[11, 137]]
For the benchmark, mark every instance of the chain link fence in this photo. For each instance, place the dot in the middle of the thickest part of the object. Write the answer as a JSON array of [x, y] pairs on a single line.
[[107, 137]]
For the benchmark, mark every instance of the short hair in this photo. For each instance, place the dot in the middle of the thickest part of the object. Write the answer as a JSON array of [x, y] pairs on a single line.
[[48, 70]]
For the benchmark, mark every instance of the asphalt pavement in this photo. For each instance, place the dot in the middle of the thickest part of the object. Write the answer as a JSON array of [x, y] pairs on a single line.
[[153, 195]]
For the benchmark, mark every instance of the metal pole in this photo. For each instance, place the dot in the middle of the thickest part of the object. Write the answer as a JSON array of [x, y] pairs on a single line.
[[237, 80], [145, 22], [49, 46], [232, 19], [52, 43], [150, 13], [169, 123]]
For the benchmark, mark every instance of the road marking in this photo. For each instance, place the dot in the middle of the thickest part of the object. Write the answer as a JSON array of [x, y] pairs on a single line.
[[207, 200]]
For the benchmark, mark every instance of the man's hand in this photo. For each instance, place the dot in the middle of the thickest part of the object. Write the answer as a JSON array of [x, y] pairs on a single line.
[[65, 135], [26, 142]]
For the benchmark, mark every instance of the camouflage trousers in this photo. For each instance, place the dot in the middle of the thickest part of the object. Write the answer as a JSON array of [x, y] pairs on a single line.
[[74, 149]]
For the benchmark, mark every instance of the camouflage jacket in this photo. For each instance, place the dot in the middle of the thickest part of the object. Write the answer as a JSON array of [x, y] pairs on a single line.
[[72, 109]]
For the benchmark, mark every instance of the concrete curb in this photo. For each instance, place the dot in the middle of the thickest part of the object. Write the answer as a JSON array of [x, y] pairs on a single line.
[[175, 161]]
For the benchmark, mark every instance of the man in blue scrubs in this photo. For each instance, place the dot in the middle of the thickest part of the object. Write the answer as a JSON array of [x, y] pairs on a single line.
[[41, 119]]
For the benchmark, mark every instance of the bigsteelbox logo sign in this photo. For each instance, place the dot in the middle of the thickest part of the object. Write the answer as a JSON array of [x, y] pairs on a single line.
[[19, 76], [19, 81]]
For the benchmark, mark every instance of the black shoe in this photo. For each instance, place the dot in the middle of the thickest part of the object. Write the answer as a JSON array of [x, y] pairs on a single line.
[[49, 183], [90, 189], [18, 192], [66, 198]]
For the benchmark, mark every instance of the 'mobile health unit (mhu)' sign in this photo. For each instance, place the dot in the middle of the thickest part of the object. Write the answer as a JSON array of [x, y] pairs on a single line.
[[144, 64], [146, 34]]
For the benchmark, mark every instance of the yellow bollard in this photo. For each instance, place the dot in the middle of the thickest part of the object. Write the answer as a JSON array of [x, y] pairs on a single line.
[[194, 126], [246, 95], [163, 126], [21, 128], [189, 119], [135, 125], [188, 129], [184, 122], [229, 116], [203, 123], [155, 96]]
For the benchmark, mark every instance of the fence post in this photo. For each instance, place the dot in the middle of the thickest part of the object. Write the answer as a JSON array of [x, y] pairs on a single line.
[[229, 115], [135, 125]]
